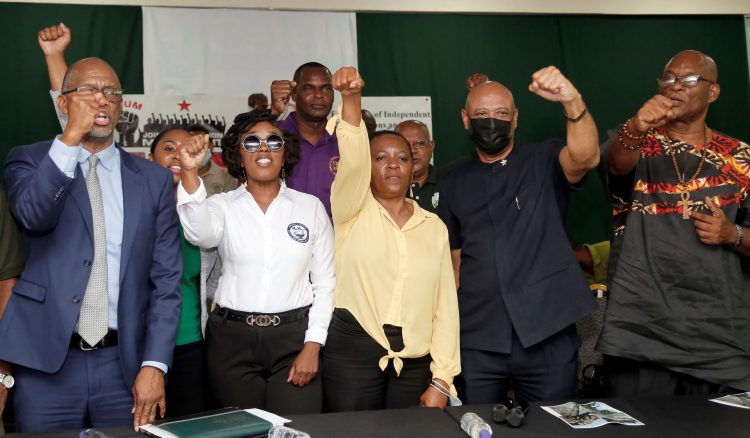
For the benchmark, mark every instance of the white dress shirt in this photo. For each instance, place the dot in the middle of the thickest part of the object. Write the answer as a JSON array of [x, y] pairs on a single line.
[[272, 262]]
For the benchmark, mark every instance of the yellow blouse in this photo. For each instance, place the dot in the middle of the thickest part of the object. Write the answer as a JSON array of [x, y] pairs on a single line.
[[387, 275]]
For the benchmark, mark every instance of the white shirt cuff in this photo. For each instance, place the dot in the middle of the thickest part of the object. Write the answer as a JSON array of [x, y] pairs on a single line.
[[318, 335], [183, 197], [64, 156], [151, 363]]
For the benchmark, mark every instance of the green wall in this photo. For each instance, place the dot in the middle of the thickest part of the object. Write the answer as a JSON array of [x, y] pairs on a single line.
[[613, 61], [110, 32]]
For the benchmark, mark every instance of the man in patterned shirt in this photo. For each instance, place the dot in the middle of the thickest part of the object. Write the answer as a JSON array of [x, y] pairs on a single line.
[[678, 318]]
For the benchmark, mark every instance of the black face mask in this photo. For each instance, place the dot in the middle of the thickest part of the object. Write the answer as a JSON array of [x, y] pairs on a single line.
[[491, 136]]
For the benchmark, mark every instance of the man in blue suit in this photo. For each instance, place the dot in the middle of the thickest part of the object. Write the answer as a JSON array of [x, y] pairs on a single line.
[[90, 326]]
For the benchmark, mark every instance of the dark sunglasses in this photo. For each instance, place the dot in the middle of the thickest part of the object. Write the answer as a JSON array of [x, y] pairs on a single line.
[[252, 143]]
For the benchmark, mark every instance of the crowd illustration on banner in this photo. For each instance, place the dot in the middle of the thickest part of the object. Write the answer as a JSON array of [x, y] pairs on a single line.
[[128, 127]]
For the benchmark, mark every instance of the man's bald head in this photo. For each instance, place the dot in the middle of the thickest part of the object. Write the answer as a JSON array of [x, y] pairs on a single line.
[[407, 124], [89, 97], [690, 102], [491, 90], [82, 69], [703, 64]]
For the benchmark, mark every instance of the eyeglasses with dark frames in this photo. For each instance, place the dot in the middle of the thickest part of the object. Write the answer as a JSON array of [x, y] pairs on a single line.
[[111, 94], [690, 80]]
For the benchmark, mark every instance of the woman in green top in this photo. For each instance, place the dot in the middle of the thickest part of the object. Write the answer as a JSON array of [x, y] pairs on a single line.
[[185, 392]]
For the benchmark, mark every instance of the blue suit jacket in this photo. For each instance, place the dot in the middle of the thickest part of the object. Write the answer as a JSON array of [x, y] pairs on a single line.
[[54, 213]]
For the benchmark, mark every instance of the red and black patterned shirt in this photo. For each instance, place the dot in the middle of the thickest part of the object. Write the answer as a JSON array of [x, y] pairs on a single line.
[[672, 299]]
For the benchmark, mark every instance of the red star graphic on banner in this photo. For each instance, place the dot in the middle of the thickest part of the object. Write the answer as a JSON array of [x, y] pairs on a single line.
[[184, 106]]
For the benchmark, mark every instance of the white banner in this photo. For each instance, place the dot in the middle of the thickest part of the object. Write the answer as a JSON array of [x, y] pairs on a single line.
[[390, 111], [144, 117], [237, 52]]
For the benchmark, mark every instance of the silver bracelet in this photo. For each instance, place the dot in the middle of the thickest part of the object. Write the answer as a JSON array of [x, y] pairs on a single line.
[[440, 390], [740, 234], [440, 385]]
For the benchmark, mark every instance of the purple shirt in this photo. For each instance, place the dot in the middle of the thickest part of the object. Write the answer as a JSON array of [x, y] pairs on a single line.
[[317, 164]]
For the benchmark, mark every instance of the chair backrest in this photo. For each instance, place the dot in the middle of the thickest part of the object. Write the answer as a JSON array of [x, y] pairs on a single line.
[[589, 328]]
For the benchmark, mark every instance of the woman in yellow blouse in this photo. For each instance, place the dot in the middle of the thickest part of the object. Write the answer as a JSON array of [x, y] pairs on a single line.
[[394, 338]]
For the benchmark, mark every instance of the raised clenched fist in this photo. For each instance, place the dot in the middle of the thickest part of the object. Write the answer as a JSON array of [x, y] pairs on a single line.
[[475, 79], [193, 151], [550, 84], [54, 39], [281, 92], [348, 81], [656, 112]]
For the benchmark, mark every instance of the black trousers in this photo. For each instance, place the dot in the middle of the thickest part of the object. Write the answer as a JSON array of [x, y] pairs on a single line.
[[248, 366], [544, 371], [352, 379], [627, 377], [186, 381]]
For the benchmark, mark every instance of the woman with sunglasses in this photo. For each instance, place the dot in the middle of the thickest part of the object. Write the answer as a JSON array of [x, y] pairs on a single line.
[[394, 337], [273, 302]]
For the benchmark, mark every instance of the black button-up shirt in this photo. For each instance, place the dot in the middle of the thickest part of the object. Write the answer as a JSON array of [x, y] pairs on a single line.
[[518, 271]]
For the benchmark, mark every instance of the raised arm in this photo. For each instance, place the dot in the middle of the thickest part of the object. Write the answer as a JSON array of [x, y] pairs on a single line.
[[202, 220], [352, 182], [581, 153], [53, 41], [624, 152]]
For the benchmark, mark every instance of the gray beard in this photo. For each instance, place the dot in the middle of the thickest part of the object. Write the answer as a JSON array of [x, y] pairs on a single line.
[[95, 134]]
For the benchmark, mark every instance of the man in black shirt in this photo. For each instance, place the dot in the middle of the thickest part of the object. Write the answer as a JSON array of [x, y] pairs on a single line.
[[520, 288], [424, 182]]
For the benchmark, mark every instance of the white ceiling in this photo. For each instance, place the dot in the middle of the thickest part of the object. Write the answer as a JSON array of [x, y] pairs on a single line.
[[615, 7]]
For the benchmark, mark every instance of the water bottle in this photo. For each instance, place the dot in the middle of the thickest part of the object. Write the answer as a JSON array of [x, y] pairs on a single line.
[[475, 426], [281, 431]]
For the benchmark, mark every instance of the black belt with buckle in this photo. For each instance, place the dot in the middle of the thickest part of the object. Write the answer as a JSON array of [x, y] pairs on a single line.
[[262, 319], [109, 340]]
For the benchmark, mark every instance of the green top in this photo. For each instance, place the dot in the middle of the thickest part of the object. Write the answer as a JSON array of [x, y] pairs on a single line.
[[190, 319]]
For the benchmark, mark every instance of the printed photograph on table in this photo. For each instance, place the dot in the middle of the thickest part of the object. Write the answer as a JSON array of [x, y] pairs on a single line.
[[590, 415], [741, 400]]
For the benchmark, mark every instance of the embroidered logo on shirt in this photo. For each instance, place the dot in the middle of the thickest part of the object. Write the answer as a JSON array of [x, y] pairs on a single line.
[[435, 199], [333, 164], [298, 232]]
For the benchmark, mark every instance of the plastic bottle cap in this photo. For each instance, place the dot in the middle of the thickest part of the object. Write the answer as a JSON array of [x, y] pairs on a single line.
[[485, 434]]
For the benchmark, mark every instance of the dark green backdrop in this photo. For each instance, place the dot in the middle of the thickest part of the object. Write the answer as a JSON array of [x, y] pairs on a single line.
[[612, 60], [110, 32]]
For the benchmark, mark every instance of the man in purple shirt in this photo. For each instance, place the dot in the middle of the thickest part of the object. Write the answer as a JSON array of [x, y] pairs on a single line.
[[312, 93]]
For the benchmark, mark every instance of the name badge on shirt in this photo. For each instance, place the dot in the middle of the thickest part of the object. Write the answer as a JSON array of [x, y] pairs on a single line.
[[298, 232]]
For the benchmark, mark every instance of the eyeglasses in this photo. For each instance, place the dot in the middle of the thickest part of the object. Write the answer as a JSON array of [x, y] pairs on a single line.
[[252, 143], [667, 81], [111, 94], [420, 144]]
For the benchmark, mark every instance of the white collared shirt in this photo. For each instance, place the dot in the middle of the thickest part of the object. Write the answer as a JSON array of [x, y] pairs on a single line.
[[273, 262]]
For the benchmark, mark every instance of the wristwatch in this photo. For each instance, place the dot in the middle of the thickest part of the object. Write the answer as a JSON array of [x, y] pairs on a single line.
[[7, 380]]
